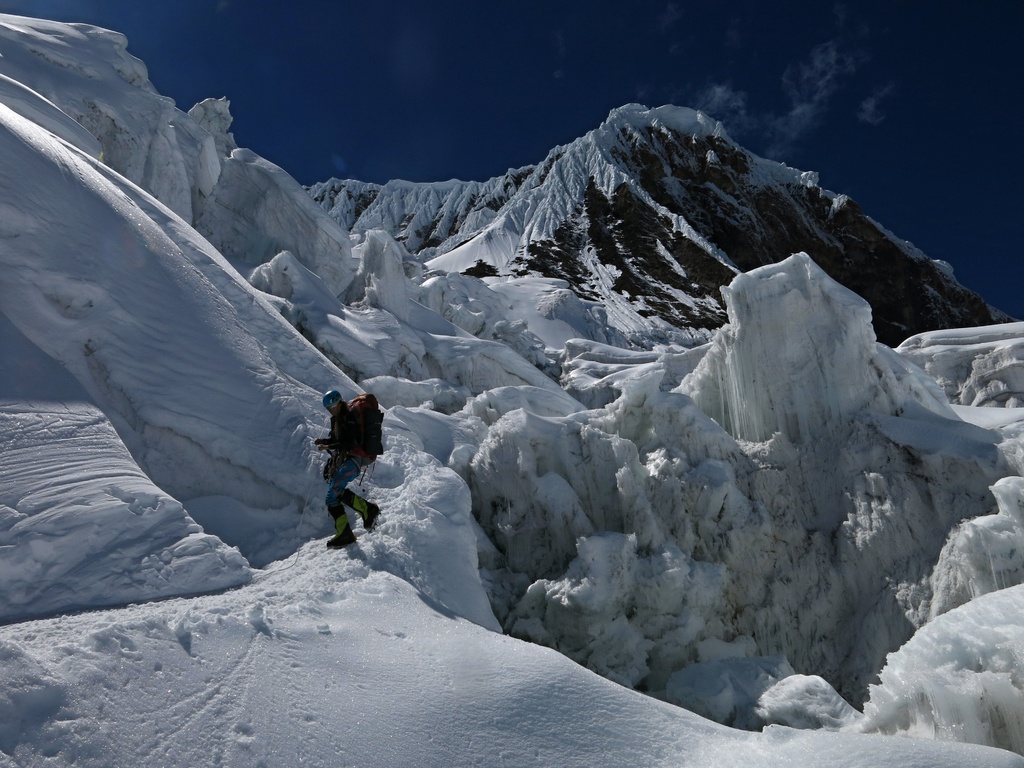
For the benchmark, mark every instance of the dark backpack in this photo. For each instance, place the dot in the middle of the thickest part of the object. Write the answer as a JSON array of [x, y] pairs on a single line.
[[369, 419]]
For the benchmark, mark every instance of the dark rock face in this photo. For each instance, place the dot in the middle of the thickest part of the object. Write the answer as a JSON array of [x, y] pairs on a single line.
[[657, 216], [651, 259], [754, 224]]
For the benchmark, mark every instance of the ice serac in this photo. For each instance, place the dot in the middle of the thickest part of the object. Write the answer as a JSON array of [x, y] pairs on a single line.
[[958, 679], [257, 210], [803, 518], [650, 214], [117, 305], [88, 73], [799, 357], [391, 328], [983, 555], [76, 73], [857, 454], [975, 366], [214, 116]]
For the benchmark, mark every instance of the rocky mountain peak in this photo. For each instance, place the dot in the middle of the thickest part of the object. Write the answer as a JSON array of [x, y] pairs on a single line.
[[650, 214]]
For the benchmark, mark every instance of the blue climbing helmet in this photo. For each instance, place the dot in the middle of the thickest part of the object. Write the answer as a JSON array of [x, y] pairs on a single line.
[[332, 398]]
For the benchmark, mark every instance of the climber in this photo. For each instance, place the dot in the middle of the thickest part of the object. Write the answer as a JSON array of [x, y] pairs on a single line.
[[354, 442]]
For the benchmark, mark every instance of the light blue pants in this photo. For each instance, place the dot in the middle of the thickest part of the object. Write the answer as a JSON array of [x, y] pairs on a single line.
[[346, 472]]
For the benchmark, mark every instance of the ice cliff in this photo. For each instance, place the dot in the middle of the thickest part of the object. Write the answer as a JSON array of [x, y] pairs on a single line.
[[790, 495]]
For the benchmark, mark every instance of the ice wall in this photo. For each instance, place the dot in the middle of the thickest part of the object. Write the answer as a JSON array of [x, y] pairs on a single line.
[[81, 525], [247, 207], [256, 210], [803, 518], [88, 73], [959, 678], [119, 302], [797, 357], [974, 366], [983, 555]]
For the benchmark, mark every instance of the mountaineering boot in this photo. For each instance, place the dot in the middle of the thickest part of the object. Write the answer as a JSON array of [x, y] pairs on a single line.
[[370, 518], [343, 539], [345, 535], [366, 509]]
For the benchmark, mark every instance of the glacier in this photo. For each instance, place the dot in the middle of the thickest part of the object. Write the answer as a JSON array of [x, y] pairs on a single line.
[[784, 526]]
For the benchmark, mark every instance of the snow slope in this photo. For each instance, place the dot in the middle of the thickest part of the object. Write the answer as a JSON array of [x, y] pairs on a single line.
[[166, 596], [327, 660]]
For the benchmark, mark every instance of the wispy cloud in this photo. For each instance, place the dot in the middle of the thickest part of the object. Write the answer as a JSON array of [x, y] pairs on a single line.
[[724, 103], [809, 86], [669, 16], [870, 111], [558, 39], [814, 81]]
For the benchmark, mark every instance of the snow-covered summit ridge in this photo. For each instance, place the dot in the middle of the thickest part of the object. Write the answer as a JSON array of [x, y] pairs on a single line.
[[679, 119]]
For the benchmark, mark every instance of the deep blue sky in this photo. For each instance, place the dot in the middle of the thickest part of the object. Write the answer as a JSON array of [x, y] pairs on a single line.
[[913, 108]]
